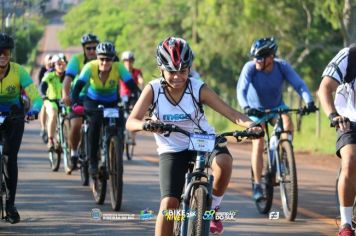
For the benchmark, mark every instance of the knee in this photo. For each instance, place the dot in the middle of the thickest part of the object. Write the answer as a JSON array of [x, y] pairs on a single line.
[[258, 144], [223, 162], [349, 165], [169, 203]]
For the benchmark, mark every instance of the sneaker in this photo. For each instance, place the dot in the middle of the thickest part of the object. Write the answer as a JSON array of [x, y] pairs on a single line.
[[74, 160], [216, 226], [12, 215], [50, 144], [257, 192], [346, 230]]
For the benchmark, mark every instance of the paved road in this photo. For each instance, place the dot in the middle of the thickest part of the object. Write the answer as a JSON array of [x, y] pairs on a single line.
[[52, 203]]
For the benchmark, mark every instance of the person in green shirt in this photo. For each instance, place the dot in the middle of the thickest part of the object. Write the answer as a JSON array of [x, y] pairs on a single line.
[[51, 89]]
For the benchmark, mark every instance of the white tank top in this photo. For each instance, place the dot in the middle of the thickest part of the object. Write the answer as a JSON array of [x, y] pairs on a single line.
[[178, 114]]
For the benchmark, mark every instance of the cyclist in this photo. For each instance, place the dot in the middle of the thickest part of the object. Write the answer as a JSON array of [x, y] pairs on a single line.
[[260, 87], [46, 67], [175, 93], [51, 88], [102, 76], [342, 70], [89, 42], [13, 78]]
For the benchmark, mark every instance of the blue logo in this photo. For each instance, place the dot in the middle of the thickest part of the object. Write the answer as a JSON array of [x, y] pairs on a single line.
[[175, 117], [146, 214]]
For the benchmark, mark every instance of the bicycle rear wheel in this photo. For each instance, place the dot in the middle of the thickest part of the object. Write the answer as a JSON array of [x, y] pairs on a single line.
[[115, 172], [288, 182], [264, 205], [129, 144], [199, 204], [99, 183], [54, 159]]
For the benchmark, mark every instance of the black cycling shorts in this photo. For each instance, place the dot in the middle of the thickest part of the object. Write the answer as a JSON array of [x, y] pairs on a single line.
[[344, 138], [172, 169]]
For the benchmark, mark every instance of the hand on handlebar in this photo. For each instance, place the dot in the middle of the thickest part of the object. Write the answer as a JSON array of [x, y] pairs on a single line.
[[253, 112], [310, 108], [155, 126], [256, 131], [339, 122], [78, 109]]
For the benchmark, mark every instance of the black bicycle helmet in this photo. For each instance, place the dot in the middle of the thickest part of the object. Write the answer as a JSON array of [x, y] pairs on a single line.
[[89, 38], [106, 49], [6, 41], [174, 54], [264, 47]]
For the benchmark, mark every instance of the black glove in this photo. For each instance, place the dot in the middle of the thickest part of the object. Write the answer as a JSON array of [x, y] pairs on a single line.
[[311, 107], [253, 112]]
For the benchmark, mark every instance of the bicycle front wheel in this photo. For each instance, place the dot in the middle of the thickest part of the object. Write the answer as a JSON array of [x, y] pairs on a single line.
[[199, 204], [288, 182], [65, 146], [115, 172], [99, 183]]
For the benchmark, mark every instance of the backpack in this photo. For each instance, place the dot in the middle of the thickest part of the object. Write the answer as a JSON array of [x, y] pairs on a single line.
[[345, 96]]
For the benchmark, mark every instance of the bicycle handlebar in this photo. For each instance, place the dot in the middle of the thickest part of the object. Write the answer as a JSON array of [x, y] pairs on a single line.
[[168, 128], [302, 111]]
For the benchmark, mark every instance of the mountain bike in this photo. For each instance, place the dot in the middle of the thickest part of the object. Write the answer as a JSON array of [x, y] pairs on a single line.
[[279, 167], [110, 157], [197, 194], [61, 146]]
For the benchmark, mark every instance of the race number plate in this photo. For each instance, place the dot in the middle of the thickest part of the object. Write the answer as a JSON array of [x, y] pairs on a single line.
[[2, 118], [202, 142], [111, 113]]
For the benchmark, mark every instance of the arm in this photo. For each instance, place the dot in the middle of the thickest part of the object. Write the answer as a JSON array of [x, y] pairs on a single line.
[[83, 79], [297, 83], [135, 120], [325, 93], [210, 98], [43, 88], [243, 84], [31, 90], [71, 71], [141, 82]]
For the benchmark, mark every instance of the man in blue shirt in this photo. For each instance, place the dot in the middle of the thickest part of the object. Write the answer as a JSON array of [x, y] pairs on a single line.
[[260, 87]]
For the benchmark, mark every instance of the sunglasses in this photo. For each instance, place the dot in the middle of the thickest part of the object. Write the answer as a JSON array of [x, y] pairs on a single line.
[[106, 59], [5, 52], [90, 48]]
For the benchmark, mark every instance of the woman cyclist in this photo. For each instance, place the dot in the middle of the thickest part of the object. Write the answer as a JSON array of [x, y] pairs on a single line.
[[175, 95], [103, 76], [13, 79], [51, 89]]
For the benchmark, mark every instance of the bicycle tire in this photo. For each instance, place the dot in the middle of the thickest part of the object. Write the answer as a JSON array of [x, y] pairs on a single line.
[[84, 165], [288, 183], [65, 127], [115, 172], [177, 224], [129, 145], [199, 204], [99, 183], [54, 159]]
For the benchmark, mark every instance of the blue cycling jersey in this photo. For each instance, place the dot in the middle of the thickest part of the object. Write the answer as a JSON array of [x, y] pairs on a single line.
[[264, 90]]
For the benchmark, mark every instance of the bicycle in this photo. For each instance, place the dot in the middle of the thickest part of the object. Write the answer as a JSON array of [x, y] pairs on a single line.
[[62, 145], [110, 157], [197, 194], [279, 167]]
